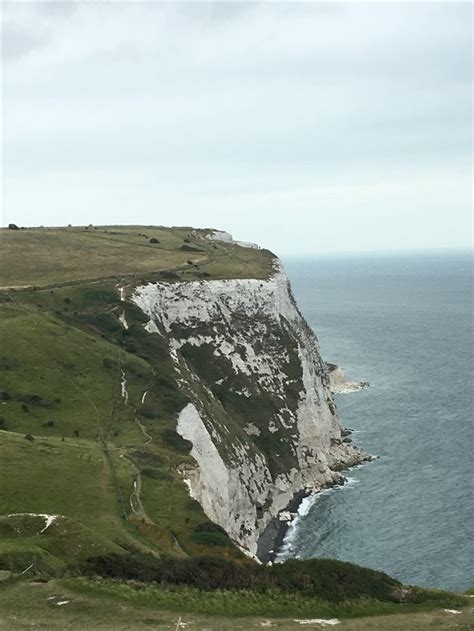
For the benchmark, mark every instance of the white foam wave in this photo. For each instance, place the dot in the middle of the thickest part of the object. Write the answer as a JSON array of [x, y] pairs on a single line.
[[306, 504]]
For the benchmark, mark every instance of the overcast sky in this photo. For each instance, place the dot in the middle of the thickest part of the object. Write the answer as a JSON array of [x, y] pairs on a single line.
[[309, 128]]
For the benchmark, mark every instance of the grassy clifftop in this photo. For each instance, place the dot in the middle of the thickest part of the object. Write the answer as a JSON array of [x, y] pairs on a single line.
[[41, 256]]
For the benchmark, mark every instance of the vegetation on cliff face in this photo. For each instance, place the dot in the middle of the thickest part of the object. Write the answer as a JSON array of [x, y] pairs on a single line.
[[89, 455]]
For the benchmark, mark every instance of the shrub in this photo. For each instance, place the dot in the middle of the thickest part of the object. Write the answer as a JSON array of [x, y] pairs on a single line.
[[334, 581], [156, 474], [177, 442], [210, 534], [105, 323], [146, 413], [193, 505], [169, 275], [32, 399], [154, 240], [147, 458], [29, 437]]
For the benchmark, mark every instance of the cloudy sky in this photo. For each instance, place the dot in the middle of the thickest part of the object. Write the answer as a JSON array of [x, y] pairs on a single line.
[[307, 127]]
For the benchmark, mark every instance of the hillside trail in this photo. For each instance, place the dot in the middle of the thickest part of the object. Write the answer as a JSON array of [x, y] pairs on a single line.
[[135, 500]]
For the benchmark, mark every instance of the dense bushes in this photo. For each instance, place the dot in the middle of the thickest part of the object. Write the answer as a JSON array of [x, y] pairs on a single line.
[[210, 534], [176, 442], [331, 580]]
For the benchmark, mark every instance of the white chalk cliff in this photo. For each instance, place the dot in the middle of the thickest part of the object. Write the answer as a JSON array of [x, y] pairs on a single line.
[[261, 416]]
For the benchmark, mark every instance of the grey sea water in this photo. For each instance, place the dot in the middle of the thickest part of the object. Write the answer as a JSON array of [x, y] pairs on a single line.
[[403, 323]]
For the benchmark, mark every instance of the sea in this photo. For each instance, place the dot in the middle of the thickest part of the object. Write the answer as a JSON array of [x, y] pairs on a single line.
[[403, 323]]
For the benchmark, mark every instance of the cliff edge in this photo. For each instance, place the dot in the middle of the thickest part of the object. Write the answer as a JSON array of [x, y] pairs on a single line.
[[261, 417]]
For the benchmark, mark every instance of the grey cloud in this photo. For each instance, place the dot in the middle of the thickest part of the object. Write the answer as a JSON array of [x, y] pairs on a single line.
[[60, 8], [18, 41], [240, 108]]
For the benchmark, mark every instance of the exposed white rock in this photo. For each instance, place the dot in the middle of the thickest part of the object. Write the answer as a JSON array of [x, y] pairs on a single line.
[[49, 519], [123, 385], [252, 430], [216, 485], [339, 383], [324, 622], [259, 345], [285, 516], [123, 320], [226, 237]]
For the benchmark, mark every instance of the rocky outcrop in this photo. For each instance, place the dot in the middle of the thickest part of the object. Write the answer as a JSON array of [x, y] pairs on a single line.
[[261, 416], [339, 383], [226, 237]]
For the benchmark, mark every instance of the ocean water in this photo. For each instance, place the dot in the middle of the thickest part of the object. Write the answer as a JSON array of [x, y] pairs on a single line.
[[403, 323]]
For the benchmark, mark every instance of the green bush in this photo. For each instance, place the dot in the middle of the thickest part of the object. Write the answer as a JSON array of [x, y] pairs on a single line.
[[331, 580], [176, 442], [210, 534]]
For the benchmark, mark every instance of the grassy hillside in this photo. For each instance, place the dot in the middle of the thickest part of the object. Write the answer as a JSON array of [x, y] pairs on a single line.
[[89, 455]]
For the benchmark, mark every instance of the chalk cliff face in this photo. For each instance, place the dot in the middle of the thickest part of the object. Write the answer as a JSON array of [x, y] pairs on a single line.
[[261, 417]]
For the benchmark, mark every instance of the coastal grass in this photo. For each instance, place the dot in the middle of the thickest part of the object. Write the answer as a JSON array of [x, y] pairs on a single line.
[[54, 381], [86, 605], [40, 256], [72, 479], [274, 603], [221, 602], [54, 256]]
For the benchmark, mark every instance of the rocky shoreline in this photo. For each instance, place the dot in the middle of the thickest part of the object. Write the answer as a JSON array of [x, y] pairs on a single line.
[[271, 540]]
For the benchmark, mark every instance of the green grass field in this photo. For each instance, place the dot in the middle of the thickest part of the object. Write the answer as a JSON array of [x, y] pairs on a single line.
[[49, 256]]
